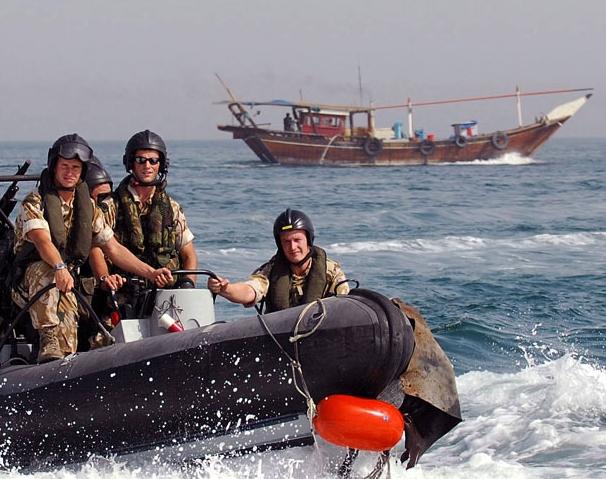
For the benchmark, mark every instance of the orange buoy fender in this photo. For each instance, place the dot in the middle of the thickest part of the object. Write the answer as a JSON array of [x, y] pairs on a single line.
[[367, 424]]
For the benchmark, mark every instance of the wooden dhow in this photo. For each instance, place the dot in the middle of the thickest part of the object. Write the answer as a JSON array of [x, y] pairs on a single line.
[[327, 135]]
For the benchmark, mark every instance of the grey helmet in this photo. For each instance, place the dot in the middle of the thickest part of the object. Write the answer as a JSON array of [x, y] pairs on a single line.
[[70, 147], [96, 174], [145, 140]]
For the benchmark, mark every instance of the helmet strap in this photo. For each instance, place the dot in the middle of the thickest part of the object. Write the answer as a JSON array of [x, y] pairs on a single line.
[[304, 260], [161, 178]]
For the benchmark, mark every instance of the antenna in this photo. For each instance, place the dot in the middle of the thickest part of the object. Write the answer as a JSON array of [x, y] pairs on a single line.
[[360, 83]]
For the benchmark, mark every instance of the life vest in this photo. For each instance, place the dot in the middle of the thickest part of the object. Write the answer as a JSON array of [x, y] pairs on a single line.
[[151, 238], [74, 244], [279, 295]]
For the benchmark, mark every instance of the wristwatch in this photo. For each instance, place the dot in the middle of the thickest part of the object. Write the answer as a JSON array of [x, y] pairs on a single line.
[[59, 266]]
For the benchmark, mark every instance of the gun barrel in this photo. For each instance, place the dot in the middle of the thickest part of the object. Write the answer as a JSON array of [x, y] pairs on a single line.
[[5, 178]]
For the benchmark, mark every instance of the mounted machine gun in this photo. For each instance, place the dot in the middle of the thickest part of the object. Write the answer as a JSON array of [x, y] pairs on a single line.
[[7, 237]]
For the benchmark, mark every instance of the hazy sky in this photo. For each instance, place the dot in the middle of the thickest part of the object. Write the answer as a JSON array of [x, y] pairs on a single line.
[[106, 69]]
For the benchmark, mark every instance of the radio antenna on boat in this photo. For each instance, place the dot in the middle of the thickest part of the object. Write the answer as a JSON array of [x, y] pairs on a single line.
[[360, 84]]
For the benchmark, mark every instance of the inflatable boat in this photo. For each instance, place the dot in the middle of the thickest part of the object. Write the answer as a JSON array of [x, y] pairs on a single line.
[[180, 385], [195, 388]]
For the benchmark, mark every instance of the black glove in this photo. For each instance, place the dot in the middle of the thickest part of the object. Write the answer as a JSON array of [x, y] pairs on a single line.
[[185, 283]]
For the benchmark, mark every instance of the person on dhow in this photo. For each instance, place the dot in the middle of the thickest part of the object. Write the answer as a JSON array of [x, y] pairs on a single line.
[[148, 221], [289, 123], [298, 273], [54, 231]]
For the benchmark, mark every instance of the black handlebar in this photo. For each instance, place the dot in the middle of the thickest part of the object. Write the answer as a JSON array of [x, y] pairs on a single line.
[[206, 272]]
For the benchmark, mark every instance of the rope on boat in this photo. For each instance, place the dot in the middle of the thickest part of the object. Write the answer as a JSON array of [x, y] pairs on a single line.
[[327, 147], [171, 307], [321, 318], [297, 370], [295, 363]]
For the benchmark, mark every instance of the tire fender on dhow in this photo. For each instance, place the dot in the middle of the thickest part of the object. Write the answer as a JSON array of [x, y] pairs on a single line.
[[460, 141], [500, 140], [372, 146], [358, 423], [431, 403], [427, 147]]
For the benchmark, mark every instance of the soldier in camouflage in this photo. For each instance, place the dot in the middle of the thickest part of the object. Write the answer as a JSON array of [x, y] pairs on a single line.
[[54, 231], [96, 280], [148, 221], [100, 186], [298, 273]]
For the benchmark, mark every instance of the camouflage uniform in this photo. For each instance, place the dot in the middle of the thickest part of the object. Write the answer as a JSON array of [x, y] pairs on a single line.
[[183, 233], [53, 308], [108, 209], [95, 295], [259, 280]]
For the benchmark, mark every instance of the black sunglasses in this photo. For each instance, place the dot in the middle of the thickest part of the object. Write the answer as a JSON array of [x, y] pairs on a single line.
[[141, 160]]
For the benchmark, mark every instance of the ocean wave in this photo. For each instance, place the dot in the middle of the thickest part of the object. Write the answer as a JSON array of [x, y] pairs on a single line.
[[233, 252], [551, 413], [468, 243]]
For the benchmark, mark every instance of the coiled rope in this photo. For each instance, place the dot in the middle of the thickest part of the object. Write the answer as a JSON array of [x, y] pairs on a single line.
[[295, 363], [171, 307]]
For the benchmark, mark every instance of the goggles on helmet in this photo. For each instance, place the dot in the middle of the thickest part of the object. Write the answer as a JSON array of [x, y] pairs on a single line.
[[69, 151]]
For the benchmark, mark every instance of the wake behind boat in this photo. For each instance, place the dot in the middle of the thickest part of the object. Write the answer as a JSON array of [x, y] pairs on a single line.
[[331, 135]]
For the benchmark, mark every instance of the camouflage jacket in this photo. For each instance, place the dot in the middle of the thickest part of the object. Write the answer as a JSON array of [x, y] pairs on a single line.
[[183, 233]]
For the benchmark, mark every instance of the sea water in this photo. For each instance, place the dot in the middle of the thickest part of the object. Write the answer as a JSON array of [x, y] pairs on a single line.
[[505, 258]]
